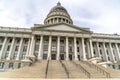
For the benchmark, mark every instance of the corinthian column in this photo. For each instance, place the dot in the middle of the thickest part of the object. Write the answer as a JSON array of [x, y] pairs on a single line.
[[83, 50], [11, 49], [75, 49], [49, 48], [41, 47], [20, 49], [58, 47], [3, 47], [67, 48], [32, 45]]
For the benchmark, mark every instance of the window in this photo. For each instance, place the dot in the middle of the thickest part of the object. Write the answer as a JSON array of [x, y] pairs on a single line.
[[94, 52], [119, 66], [46, 41], [1, 65], [15, 56], [36, 47], [44, 56], [77, 42], [62, 41], [0, 47], [23, 56], [10, 65], [8, 48], [45, 48], [10, 40], [37, 40], [70, 41], [6, 55], [78, 49], [70, 49], [109, 58], [17, 41], [26, 41], [16, 48], [61, 48], [53, 48], [54, 40], [1, 40], [24, 48], [101, 52]]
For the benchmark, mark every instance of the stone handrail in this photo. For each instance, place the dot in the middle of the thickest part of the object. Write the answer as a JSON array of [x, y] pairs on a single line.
[[83, 69], [46, 69], [98, 68], [64, 68]]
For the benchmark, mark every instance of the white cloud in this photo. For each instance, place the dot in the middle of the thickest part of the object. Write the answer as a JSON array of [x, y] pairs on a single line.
[[99, 15]]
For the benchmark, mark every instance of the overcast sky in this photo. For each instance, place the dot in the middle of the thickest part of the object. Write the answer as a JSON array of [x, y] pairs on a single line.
[[101, 16]]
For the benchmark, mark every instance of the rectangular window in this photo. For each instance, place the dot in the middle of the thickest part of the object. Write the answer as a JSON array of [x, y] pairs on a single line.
[[54, 40], [6, 55], [78, 49], [24, 48], [53, 48], [17, 40], [61, 48], [10, 40], [70, 49], [8, 48], [10, 65], [0, 47], [36, 47], [44, 56], [16, 48], [62, 41], [25, 41], [23, 56], [15, 56], [1, 65], [119, 66], [46, 40], [45, 48], [1, 39], [37, 40], [70, 41]]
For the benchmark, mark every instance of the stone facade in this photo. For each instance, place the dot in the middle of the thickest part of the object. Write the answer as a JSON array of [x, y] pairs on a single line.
[[56, 39]]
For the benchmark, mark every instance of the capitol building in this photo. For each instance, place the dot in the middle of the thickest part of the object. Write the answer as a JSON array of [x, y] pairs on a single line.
[[58, 41]]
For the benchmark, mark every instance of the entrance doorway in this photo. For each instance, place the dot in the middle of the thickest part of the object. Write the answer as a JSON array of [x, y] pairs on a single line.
[[53, 56], [61, 56], [70, 57]]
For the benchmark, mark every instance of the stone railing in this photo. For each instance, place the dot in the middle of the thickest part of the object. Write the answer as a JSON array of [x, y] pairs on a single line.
[[46, 69], [64, 68], [82, 69], [98, 68]]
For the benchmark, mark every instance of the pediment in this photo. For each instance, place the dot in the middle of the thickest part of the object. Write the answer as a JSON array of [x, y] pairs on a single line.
[[63, 27]]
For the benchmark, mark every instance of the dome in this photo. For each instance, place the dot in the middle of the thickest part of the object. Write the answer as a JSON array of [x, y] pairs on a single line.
[[58, 14], [58, 7]]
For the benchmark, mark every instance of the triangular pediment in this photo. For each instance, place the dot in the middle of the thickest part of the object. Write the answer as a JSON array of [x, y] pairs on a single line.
[[63, 27]]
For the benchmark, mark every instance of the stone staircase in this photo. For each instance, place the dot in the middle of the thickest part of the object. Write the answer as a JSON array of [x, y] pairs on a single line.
[[93, 72], [114, 73], [36, 70], [74, 72], [52, 69], [55, 70]]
